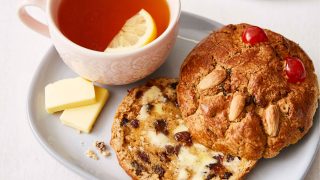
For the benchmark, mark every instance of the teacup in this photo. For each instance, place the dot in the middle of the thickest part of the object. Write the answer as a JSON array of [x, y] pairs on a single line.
[[105, 68]]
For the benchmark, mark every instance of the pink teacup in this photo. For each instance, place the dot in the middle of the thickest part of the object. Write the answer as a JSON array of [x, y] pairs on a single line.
[[106, 68]]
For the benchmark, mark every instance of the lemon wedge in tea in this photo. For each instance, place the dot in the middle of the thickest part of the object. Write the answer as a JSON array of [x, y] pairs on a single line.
[[138, 31]]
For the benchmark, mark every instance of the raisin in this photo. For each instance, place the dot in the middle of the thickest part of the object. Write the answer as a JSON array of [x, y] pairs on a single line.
[[158, 170], [138, 167], [143, 156], [217, 168], [183, 137], [161, 126], [226, 175], [177, 149], [124, 121], [212, 166], [149, 107], [172, 149], [164, 157], [301, 129], [138, 94], [169, 149], [135, 123], [230, 158], [210, 176], [174, 85], [239, 158], [219, 158]]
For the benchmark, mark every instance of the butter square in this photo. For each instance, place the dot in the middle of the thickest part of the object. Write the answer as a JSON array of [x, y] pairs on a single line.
[[68, 93], [84, 117]]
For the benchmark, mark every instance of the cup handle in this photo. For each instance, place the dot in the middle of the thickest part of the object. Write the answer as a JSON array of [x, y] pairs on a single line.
[[29, 21]]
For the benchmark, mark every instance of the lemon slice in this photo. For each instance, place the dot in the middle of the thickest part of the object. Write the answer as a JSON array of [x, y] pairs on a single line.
[[138, 31]]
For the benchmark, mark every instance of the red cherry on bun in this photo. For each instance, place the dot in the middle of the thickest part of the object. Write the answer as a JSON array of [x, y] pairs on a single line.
[[253, 35]]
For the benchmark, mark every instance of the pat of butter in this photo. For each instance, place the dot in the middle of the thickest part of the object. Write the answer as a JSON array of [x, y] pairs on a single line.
[[143, 113], [195, 161], [159, 109], [183, 174], [186, 158], [68, 93], [153, 94], [83, 118], [159, 140]]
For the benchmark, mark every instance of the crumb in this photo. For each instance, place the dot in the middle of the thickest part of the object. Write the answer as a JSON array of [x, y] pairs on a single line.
[[82, 143], [102, 148], [78, 131], [106, 153], [92, 155]]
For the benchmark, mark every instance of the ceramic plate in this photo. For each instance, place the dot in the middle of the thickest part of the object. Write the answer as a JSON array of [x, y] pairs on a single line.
[[69, 147]]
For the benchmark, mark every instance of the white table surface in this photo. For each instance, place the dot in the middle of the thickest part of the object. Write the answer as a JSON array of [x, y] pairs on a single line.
[[21, 50]]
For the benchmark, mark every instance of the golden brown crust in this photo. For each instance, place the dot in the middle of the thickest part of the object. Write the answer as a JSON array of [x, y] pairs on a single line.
[[127, 141], [276, 113]]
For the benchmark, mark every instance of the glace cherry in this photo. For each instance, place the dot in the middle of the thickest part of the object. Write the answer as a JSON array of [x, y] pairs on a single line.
[[253, 35], [295, 70]]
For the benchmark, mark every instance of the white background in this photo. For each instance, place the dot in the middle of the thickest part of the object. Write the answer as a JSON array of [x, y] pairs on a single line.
[[21, 50]]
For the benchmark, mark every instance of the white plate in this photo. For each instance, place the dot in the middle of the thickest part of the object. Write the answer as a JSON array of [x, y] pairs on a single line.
[[69, 147]]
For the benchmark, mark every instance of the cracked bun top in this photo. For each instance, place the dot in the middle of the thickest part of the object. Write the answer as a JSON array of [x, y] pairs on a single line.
[[248, 92]]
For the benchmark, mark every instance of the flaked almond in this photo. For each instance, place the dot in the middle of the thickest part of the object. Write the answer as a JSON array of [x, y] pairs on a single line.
[[212, 79], [271, 120], [236, 106]]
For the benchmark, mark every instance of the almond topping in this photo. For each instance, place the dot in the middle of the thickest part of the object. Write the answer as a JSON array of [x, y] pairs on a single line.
[[212, 79], [236, 107], [271, 121]]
